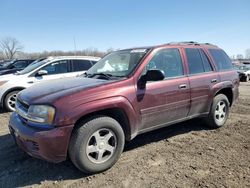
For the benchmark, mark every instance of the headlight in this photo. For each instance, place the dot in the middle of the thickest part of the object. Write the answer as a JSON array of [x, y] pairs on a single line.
[[41, 114], [2, 82]]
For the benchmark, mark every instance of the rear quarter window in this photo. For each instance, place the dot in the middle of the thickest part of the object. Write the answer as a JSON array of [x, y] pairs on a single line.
[[221, 59]]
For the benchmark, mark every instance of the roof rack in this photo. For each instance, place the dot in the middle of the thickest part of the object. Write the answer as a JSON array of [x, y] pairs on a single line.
[[189, 43]]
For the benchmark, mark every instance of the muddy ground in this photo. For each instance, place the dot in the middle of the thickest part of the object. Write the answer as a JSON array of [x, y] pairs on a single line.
[[182, 155]]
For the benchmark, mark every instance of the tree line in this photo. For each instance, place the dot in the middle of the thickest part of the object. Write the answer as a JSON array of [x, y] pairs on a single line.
[[11, 48]]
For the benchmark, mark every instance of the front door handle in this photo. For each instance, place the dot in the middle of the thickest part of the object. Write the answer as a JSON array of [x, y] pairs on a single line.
[[213, 80], [183, 86]]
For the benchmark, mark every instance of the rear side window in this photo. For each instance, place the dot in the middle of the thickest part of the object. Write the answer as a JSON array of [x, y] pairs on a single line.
[[20, 64], [94, 62], [206, 63], [195, 63], [198, 62], [222, 61], [81, 65]]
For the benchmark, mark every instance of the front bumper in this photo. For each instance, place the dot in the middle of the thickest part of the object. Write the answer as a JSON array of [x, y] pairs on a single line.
[[50, 145]]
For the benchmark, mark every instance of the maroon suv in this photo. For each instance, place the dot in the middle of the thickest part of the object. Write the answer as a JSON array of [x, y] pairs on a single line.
[[126, 93]]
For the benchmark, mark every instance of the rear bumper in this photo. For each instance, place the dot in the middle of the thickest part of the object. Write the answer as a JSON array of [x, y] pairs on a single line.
[[50, 145]]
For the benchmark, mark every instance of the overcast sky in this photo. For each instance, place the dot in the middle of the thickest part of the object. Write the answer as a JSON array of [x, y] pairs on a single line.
[[53, 24]]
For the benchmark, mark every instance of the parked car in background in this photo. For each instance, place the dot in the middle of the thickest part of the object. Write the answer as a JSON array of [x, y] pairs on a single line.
[[14, 66], [4, 61], [126, 93], [48, 69], [244, 72]]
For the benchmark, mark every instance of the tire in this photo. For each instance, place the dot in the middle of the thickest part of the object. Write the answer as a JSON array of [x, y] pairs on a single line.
[[219, 112], [10, 100], [247, 78], [90, 155]]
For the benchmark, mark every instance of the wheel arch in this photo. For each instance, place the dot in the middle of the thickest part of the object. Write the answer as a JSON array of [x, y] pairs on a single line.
[[10, 90], [116, 113], [228, 92]]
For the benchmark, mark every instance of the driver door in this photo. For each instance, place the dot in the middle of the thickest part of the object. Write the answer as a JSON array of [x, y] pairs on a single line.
[[168, 100]]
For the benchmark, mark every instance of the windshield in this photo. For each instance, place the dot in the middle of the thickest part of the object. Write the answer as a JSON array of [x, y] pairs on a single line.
[[32, 67], [6, 64], [118, 63]]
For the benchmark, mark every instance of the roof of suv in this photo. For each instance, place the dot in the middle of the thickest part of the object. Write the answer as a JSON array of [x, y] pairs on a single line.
[[74, 57], [183, 44]]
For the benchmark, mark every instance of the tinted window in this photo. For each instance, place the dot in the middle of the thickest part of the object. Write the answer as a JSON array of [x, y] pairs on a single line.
[[81, 65], [57, 67], [206, 63], [221, 59], [195, 63], [94, 62], [20, 64], [167, 60]]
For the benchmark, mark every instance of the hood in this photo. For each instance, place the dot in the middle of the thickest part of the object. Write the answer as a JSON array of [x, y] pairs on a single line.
[[240, 71], [7, 71], [49, 91], [9, 77], [2, 68]]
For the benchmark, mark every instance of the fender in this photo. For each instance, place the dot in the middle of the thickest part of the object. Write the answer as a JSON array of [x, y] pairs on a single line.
[[8, 91], [222, 85], [98, 105]]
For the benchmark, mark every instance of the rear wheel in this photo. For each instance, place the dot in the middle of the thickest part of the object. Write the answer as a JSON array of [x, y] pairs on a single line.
[[219, 111], [97, 144], [10, 101]]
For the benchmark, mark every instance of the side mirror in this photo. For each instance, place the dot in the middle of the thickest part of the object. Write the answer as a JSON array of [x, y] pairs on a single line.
[[41, 73], [151, 75], [154, 75]]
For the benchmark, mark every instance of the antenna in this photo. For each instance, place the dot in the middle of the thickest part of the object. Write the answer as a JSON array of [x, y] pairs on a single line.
[[74, 44]]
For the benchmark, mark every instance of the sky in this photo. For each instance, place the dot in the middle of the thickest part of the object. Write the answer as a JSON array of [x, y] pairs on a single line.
[[55, 24]]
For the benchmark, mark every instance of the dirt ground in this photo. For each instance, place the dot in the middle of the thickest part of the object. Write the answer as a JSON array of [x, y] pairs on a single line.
[[182, 155]]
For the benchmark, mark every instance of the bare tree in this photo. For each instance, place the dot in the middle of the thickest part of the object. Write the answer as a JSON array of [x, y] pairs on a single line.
[[239, 56], [247, 55], [10, 47]]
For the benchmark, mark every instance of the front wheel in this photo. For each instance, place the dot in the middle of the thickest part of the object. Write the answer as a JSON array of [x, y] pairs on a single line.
[[96, 144], [219, 112], [10, 101]]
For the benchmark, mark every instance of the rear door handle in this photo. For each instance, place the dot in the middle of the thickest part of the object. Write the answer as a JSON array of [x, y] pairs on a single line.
[[213, 80], [183, 86]]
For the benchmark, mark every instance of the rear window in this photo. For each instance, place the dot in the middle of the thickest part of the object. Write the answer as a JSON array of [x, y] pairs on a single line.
[[81, 65], [222, 61]]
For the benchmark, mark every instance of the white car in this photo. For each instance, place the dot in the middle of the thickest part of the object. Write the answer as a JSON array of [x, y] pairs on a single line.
[[49, 69]]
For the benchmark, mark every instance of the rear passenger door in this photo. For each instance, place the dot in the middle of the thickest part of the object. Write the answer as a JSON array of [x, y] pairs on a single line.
[[202, 77], [79, 66]]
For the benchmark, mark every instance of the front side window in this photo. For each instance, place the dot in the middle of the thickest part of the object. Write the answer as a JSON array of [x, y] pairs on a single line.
[[222, 61], [168, 61], [57, 67], [118, 63], [81, 65]]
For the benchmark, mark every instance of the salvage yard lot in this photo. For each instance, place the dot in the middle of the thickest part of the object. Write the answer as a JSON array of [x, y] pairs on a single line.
[[182, 155]]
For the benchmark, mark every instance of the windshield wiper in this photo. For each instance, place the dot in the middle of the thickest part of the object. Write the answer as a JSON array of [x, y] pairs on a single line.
[[99, 74]]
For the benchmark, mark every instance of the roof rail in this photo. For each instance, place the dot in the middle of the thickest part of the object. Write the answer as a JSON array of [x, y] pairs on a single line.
[[189, 43], [184, 43]]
